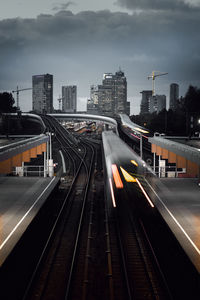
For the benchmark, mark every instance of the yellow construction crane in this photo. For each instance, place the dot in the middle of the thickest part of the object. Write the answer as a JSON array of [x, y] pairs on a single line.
[[17, 92], [153, 75]]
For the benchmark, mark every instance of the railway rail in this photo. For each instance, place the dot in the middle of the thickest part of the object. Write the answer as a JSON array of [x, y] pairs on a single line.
[[86, 249]]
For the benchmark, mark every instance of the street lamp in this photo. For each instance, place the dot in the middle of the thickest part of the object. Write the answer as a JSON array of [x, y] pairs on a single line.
[[49, 158]]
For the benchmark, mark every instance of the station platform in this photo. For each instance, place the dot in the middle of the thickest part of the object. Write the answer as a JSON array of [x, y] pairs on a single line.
[[178, 201], [20, 200]]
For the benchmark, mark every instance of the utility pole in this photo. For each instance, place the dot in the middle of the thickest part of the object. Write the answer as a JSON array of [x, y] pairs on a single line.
[[153, 75], [17, 92]]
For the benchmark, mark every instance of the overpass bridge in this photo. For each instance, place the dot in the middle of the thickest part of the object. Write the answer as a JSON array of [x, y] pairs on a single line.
[[106, 120]]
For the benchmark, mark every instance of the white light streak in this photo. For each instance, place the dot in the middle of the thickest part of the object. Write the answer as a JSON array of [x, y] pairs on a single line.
[[147, 197], [175, 220], [112, 193], [22, 219]]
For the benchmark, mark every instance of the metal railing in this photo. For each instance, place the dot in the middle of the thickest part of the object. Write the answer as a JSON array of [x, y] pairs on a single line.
[[26, 171]]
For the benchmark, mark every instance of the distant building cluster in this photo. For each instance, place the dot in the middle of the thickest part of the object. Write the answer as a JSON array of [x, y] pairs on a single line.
[[42, 87], [109, 98], [156, 103]]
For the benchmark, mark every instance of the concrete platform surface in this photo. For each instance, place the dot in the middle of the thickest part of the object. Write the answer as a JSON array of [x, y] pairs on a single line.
[[178, 201], [20, 200]]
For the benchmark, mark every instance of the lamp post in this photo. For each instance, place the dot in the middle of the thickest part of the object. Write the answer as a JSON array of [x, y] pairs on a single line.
[[50, 166], [199, 125]]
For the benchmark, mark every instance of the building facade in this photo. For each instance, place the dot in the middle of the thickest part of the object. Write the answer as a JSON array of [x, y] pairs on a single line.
[[144, 106], [174, 96], [110, 98], [42, 86], [157, 103], [69, 98]]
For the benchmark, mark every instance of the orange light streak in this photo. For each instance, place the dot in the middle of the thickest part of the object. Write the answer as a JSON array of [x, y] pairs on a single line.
[[117, 178]]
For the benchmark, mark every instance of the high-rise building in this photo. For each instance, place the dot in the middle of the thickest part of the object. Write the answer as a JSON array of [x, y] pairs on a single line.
[[128, 108], [93, 102], [112, 94], [174, 96], [69, 98], [42, 93], [92, 108], [94, 95], [157, 103], [144, 106]]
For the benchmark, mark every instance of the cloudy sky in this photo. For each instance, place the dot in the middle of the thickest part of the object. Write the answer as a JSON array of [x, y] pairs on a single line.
[[77, 41]]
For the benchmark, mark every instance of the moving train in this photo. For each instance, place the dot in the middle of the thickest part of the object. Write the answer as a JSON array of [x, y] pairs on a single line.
[[137, 130], [124, 168]]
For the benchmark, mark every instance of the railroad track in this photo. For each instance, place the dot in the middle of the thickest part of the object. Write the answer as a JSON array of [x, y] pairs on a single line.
[[90, 252]]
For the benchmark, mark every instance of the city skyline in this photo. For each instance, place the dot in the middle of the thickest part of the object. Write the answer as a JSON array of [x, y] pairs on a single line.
[[79, 42]]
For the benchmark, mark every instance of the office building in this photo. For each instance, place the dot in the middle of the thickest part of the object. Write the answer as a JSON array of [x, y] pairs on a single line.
[[94, 95], [42, 93], [112, 94], [92, 108], [128, 108], [69, 98], [174, 96], [144, 106], [157, 103]]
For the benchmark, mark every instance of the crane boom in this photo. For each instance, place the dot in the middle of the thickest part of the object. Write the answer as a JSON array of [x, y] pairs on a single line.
[[17, 92], [153, 75]]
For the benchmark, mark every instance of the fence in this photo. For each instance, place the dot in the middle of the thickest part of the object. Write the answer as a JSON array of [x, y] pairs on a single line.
[[29, 171]]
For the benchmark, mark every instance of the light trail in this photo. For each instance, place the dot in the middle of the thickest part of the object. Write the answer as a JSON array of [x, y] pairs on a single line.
[[175, 220], [147, 197], [117, 178], [22, 219], [112, 193]]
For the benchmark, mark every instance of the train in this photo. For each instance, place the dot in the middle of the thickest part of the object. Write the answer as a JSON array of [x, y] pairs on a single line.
[[125, 170], [136, 129], [135, 135]]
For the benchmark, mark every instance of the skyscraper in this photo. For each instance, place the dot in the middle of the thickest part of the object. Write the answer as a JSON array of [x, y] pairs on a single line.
[[42, 93], [93, 102], [144, 106], [157, 103], [112, 94], [174, 96], [69, 98]]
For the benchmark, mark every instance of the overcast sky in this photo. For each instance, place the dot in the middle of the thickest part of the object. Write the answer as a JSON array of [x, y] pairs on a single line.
[[78, 41]]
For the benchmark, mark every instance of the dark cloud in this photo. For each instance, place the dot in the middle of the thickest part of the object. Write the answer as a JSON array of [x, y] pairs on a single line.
[[155, 4], [63, 6], [79, 48]]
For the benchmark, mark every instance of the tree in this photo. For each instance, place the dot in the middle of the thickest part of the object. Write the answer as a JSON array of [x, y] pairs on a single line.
[[6, 103], [192, 100]]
